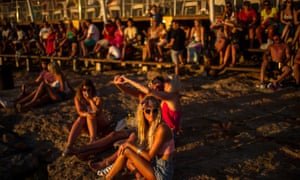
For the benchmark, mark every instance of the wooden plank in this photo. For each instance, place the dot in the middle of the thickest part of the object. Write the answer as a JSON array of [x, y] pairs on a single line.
[[255, 50], [142, 64]]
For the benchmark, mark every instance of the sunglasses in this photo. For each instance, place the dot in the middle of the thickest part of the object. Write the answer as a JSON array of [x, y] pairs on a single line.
[[153, 111], [86, 89]]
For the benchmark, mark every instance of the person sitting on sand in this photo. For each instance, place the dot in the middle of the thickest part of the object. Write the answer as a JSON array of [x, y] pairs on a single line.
[[47, 91], [44, 75], [90, 110], [170, 99], [280, 56], [152, 155], [157, 83]]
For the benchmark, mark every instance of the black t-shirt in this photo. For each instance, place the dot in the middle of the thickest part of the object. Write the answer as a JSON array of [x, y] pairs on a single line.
[[179, 36]]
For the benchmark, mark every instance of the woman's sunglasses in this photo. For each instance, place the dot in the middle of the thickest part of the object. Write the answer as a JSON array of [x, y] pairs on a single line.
[[153, 111], [86, 89]]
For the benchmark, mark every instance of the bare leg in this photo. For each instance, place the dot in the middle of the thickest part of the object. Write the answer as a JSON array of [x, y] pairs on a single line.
[[285, 72], [297, 73], [263, 70], [109, 160], [143, 166], [102, 144], [83, 48], [92, 127], [26, 98], [233, 54], [226, 57], [296, 37], [258, 35], [75, 131]]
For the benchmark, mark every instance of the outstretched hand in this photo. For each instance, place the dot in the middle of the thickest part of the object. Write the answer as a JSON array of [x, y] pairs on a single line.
[[119, 79]]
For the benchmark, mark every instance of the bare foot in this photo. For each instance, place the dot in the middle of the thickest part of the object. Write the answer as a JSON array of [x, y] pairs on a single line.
[[95, 166]]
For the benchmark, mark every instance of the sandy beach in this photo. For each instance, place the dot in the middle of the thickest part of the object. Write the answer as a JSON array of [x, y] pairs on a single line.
[[231, 129]]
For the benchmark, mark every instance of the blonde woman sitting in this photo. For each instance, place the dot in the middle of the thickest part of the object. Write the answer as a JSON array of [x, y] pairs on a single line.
[[55, 91], [170, 99], [152, 156]]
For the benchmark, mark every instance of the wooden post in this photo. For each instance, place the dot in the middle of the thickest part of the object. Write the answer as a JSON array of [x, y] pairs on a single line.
[[1, 62], [17, 61], [144, 68], [58, 62], [98, 67], [74, 65], [27, 65]]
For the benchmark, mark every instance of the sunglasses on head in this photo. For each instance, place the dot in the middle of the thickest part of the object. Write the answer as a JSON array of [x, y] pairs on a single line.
[[153, 111]]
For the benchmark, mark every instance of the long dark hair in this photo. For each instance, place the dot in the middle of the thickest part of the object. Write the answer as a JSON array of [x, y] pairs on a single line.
[[87, 83]]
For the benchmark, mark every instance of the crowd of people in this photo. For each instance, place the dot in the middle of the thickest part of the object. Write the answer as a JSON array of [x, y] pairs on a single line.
[[148, 147]]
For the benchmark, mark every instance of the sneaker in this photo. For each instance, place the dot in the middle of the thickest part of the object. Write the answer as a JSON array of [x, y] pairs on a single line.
[[261, 86], [3, 103], [272, 86], [105, 171], [266, 45]]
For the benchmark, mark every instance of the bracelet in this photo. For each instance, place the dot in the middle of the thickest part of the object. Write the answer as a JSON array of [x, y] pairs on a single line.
[[138, 151]]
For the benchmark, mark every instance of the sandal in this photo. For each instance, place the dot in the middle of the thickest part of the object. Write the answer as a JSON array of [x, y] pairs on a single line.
[[105, 171]]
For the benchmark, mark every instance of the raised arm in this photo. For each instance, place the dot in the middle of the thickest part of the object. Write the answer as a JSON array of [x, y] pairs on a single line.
[[125, 89]]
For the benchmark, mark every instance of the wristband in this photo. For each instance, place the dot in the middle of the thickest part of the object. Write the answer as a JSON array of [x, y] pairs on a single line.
[[138, 151]]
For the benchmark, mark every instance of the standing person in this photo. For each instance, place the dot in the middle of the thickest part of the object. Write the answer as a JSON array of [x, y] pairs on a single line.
[[91, 38], [152, 156], [280, 56], [177, 44], [90, 110]]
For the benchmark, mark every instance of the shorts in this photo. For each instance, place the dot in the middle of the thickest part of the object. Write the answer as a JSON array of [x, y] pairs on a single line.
[[163, 169], [103, 43], [89, 42], [175, 54]]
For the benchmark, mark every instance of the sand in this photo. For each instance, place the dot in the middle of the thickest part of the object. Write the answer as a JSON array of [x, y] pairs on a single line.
[[231, 130]]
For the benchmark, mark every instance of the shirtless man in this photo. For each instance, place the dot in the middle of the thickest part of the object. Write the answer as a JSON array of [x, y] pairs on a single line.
[[296, 68], [280, 56]]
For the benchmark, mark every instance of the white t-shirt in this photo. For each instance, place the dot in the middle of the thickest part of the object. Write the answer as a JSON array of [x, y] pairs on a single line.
[[44, 32], [93, 32]]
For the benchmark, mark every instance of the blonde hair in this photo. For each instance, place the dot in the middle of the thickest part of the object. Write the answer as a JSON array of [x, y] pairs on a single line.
[[175, 83], [54, 68], [145, 131]]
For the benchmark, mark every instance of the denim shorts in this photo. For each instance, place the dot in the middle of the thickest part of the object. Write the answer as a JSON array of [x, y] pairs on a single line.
[[163, 168]]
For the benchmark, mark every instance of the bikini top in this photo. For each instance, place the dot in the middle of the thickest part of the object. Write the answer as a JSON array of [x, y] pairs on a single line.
[[168, 147]]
